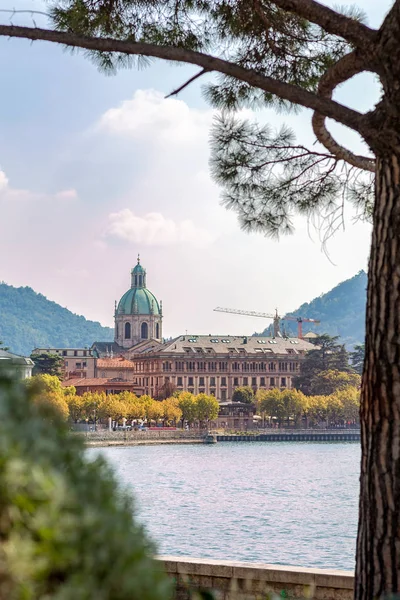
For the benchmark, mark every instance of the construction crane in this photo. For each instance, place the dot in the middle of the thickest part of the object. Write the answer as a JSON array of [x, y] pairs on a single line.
[[276, 319]]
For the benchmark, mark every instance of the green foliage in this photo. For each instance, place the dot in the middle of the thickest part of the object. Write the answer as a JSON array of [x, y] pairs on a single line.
[[282, 404], [357, 358], [331, 381], [243, 394], [47, 363], [207, 408], [341, 311], [29, 320], [187, 404], [67, 530], [328, 355]]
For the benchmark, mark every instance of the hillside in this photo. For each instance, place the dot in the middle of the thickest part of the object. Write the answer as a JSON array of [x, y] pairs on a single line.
[[341, 311], [29, 320]]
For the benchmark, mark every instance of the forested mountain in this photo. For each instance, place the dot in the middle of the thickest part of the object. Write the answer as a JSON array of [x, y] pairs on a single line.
[[341, 312], [29, 320]]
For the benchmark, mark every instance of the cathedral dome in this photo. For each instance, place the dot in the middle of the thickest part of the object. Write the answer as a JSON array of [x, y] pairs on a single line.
[[138, 315], [138, 301]]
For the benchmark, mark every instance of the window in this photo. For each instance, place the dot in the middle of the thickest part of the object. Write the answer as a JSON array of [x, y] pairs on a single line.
[[201, 391], [236, 381], [245, 381], [190, 380], [64, 353], [212, 392], [179, 381], [262, 381], [127, 331], [254, 381], [75, 352], [272, 381], [66, 363], [144, 331], [85, 353], [193, 340], [103, 374], [223, 395], [78, 365], [223, 381], [201, 380], [212, 381], [283, 381], [157, 330], [84, 365]]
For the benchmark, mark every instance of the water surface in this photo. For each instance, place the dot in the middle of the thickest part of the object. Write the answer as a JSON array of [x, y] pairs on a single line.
[[283, 503]]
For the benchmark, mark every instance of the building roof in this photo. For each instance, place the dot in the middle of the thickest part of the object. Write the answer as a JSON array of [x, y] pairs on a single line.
[[236, 346], [104, 348], [138, 301], [15, 359], [114, 363]]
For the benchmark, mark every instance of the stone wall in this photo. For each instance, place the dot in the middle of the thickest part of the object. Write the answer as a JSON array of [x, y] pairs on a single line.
[[247, 581], [105, 437]]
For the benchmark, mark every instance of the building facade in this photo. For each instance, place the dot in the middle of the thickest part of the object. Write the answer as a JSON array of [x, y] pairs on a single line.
[[217, 365], [15, 366], [78, 362]]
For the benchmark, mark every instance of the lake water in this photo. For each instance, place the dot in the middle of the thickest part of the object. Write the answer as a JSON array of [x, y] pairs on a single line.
[[283, 503]]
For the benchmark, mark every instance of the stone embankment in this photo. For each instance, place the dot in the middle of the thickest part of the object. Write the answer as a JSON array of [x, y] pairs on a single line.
[[140, 438], [247, 581], [103, 437]]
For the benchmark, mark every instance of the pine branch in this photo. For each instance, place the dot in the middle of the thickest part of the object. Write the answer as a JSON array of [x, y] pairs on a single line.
[[331, 21], [344, 69], [188, 82], [286, 91]]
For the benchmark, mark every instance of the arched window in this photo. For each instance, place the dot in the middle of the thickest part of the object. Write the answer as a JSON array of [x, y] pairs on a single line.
[[157, 330], [127, 331], [144, 331], [117, 328]]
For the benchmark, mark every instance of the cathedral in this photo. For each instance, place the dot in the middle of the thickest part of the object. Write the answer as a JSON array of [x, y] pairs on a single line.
[[137, 319], [138, 315]]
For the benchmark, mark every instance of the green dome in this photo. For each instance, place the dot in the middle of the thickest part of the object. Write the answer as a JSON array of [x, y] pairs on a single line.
[[138, 269], [138, 301]]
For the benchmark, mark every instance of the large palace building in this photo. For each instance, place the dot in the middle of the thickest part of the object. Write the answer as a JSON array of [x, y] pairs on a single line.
[[140, 360]]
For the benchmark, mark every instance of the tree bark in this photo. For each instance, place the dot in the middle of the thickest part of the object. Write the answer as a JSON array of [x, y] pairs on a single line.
[[378, 543]]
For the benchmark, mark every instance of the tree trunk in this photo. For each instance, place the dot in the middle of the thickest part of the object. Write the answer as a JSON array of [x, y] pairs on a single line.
[[378, 543]]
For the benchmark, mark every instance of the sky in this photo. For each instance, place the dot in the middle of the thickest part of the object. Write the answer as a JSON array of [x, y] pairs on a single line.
[[96, 169]]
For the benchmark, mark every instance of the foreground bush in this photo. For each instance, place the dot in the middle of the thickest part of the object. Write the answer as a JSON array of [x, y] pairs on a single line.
[[66, 531]]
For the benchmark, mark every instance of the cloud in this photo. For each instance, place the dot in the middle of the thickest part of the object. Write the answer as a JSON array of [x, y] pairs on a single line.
[[7, 192], [3, 181], [153, 229], [165, 119]]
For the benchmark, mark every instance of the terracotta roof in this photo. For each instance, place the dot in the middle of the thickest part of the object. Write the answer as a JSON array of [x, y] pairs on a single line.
[[95, 381], [114, 363]]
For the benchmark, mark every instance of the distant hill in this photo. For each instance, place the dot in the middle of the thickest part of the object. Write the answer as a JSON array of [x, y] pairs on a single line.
[[341, 311], [29, 320]]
